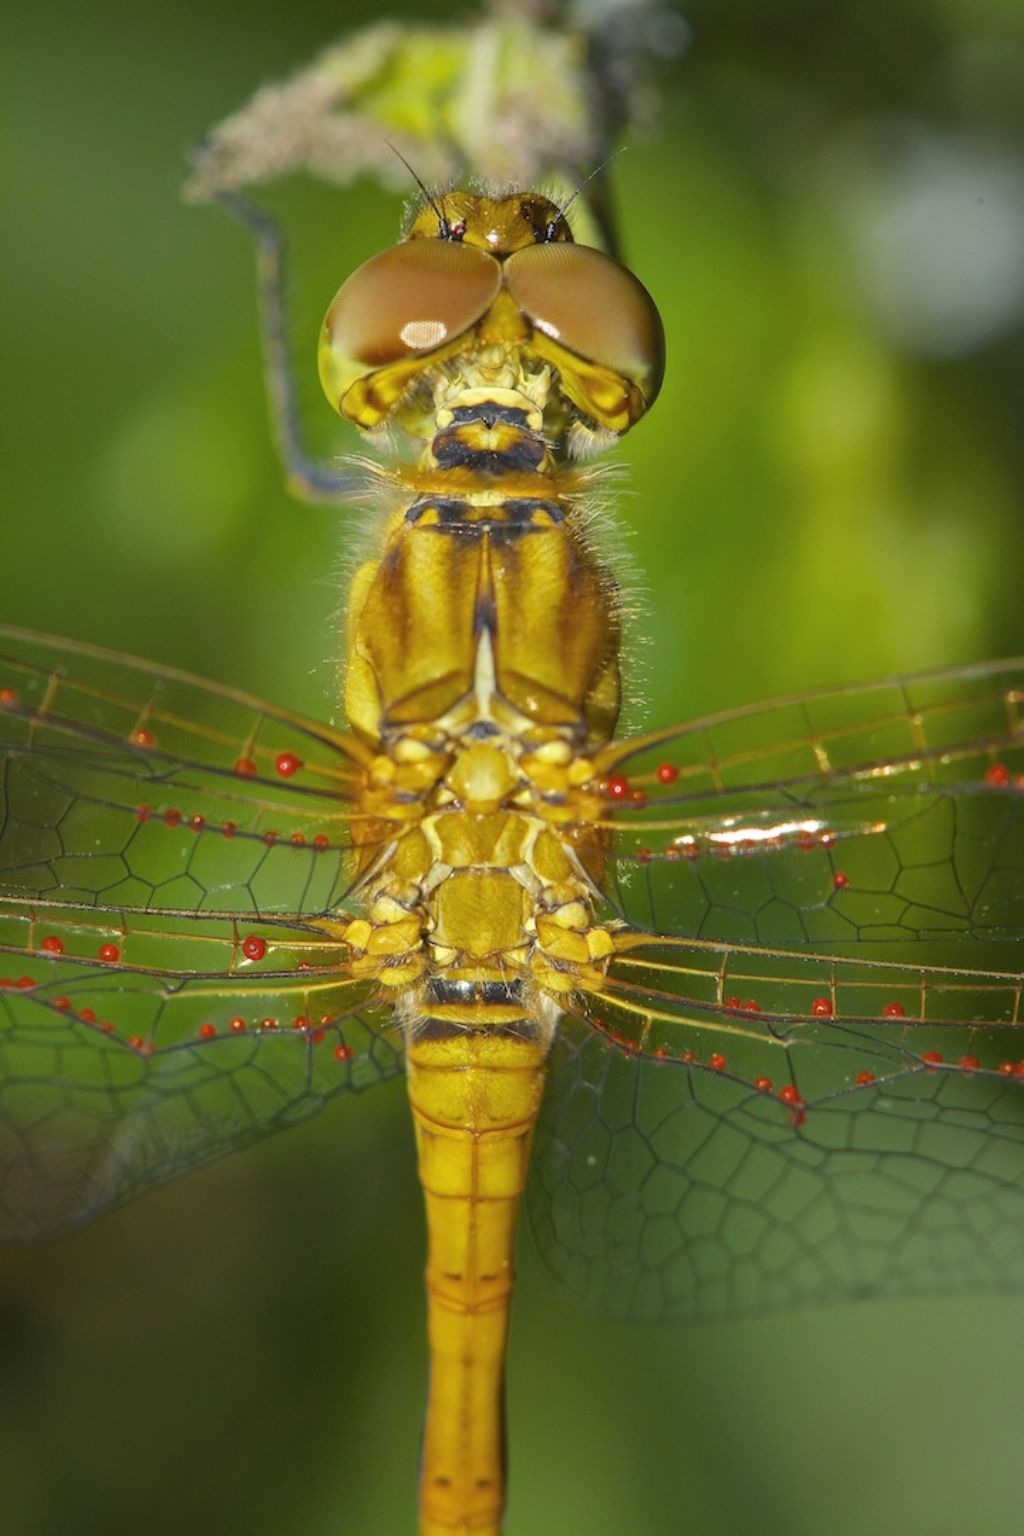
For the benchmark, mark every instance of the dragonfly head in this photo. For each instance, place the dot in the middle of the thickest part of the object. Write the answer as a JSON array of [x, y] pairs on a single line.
[[498, 225], [472, 268]]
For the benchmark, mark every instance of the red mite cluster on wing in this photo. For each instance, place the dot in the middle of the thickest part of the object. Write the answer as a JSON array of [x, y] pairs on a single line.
[[719, 943]]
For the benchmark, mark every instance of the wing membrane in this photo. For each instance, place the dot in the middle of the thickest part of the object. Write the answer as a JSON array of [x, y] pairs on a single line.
[[924, 725], [194, 1037], [730, 1125], [888, 812], [129, 785], [731, 1130]]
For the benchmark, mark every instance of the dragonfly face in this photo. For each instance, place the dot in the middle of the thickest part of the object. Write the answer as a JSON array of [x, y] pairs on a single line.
[[768, 958], [500, 281]]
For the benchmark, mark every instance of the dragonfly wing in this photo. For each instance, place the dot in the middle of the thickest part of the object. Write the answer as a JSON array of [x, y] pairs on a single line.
[[129, 785], [730, 1131], [137, 1049], [881, 813]]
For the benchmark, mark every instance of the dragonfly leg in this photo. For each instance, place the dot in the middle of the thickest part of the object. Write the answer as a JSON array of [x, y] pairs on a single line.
[[388, 945], [571, 952], [307, 477]]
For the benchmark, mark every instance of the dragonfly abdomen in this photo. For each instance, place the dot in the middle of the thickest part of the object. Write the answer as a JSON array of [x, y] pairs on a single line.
[[475, 1097]]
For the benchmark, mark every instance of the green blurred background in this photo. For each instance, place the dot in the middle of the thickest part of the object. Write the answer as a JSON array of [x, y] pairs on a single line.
[[831, 214]]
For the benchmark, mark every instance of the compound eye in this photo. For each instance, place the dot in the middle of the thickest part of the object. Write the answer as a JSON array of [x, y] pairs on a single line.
[[592, 307], [404, 303]]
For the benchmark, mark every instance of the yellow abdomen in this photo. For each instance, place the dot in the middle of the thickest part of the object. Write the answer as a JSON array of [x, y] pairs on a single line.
[[475, 1096]]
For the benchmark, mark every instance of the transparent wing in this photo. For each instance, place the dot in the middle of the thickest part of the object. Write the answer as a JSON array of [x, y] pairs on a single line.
[[733, 1126], [130, 785], [139, 1046], [731, 1130], [891, 811], [153, 1015]]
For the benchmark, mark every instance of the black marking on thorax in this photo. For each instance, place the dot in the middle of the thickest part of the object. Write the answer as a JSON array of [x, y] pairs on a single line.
[[521, 457], [490, 439], [501, 521]]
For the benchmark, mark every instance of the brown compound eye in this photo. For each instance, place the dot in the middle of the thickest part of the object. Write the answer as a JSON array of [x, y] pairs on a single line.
[[590, 306], [403, 304]]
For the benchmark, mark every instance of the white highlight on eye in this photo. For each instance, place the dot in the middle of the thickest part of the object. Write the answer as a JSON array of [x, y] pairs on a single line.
[[420, 335]]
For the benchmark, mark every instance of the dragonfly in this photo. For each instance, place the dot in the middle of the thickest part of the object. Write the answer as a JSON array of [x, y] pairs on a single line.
[[733, 1006]]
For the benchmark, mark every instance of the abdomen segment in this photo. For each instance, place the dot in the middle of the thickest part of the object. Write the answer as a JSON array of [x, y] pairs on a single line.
[[475, 1095]]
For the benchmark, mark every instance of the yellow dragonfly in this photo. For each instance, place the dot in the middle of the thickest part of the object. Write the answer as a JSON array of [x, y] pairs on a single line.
[[734, 1003]]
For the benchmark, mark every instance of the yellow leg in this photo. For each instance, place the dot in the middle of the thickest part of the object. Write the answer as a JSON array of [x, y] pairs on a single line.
[[475, 1097]]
